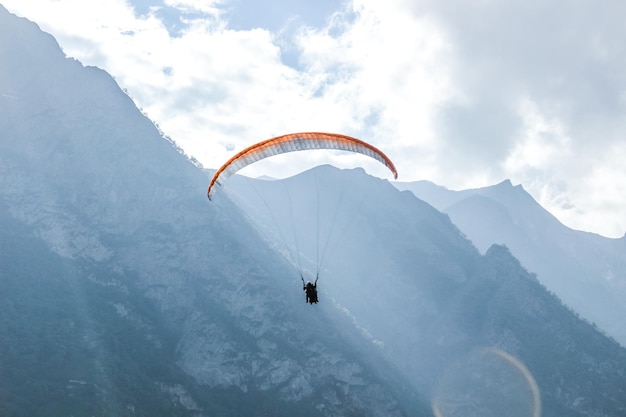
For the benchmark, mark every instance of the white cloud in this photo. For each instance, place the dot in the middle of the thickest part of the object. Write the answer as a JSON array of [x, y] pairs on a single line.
[[463, 93], [385, 71], [566, 63], [211, 7], [543, 143], [597, 195]]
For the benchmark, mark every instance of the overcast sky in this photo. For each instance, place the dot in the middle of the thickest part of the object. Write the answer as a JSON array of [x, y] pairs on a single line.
[[464, 93]]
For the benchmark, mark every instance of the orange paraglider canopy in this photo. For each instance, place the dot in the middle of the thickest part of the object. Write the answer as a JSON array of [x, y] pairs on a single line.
[[297, 142]]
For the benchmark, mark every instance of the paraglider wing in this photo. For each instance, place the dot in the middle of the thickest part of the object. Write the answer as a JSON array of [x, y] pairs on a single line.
[[296, 142]]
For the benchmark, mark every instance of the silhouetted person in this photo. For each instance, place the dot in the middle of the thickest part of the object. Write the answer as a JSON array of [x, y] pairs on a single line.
[[311, 291]]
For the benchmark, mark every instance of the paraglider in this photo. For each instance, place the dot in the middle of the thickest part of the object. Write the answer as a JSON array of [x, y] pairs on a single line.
[[310, 290], [291, 143], [296, 142]]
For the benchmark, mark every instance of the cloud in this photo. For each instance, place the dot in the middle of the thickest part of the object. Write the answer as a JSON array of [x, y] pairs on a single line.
[[384, 70], [510, 52], [208, 87], [214, 89], [540, 100], [465, 93]]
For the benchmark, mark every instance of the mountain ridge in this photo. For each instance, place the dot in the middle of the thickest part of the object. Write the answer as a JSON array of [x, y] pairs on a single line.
[[432, 280], [587, 271], [125, 291], [92, 179]]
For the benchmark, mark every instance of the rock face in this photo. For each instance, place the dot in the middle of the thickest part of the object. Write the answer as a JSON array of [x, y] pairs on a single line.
[[123, 291], [416, 287], [139, 295], [587, 271]]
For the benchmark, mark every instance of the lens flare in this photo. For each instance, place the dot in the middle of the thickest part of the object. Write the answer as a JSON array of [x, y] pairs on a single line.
[[488, 382]]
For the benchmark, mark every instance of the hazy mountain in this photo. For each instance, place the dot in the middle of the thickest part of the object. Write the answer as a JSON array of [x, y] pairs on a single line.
[[124, 291], [587, 271], [420, 290]]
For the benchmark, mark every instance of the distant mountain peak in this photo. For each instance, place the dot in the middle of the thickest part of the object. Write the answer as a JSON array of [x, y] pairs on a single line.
[[506, 183]]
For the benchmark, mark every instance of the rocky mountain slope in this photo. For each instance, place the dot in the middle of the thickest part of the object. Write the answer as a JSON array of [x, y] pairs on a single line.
[[587, 271], [123, 291], [420, 290]]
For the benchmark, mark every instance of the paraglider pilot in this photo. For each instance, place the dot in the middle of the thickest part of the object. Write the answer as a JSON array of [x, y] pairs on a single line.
[[310, 289]]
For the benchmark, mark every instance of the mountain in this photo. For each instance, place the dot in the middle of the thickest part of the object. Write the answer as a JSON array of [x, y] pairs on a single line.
[[587, 271], [418, 288], [124, 291]]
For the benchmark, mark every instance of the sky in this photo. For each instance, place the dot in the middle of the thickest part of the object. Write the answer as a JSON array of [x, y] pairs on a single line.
[[463, 93]]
